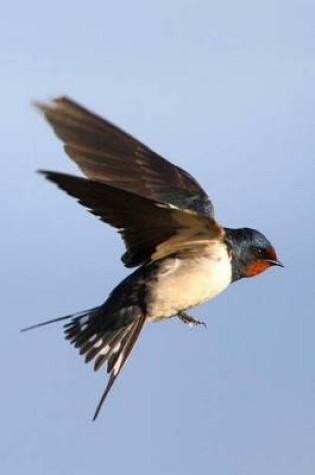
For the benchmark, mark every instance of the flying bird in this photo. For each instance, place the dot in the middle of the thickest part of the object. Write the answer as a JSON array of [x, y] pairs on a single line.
[[182, 255]]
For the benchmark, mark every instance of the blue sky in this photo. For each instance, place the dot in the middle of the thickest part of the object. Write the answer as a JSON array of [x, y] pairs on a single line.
[[225, 90]]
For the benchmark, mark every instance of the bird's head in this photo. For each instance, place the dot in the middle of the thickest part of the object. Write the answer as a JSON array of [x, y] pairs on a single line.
[[251, 252]]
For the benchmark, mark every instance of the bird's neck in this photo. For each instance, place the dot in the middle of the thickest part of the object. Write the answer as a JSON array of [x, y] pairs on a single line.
[[234, 240]]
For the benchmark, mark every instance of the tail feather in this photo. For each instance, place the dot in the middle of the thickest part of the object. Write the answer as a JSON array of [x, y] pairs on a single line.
[[78, 315], [91, 347], [103, 336], [119, 358], [112, 346]]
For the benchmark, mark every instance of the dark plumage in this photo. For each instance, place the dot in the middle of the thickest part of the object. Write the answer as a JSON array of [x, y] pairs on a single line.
[[182, 254]]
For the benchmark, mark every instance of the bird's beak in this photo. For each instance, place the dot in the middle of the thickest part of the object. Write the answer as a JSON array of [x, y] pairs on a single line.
[[274, 262]]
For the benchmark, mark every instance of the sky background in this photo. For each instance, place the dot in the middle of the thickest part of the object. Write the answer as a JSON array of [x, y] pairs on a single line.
[[225, 90]]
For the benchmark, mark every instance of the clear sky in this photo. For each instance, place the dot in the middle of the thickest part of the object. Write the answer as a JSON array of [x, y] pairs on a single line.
[[226, 90]]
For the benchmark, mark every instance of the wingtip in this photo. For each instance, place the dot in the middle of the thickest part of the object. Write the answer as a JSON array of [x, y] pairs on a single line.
[[44, 173], [43, 107], [39, 105], [53, 177], [49, 174]]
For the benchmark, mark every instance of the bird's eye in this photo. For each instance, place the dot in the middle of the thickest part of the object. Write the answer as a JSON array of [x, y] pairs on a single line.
[[259, 251]]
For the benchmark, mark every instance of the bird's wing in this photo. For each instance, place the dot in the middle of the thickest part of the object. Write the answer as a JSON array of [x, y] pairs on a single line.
[[109, 155], [151, 230]]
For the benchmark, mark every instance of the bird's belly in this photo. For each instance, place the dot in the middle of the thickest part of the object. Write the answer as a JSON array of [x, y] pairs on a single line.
[[183, 283]]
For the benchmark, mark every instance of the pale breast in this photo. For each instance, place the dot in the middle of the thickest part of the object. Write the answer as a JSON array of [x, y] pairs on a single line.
[[183, 283]]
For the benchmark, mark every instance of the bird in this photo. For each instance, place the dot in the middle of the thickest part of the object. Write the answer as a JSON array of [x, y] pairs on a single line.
[[182, 256]]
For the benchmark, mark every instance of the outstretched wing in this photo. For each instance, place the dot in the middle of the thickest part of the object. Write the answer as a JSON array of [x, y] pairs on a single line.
[[109, 155], [151, 229]]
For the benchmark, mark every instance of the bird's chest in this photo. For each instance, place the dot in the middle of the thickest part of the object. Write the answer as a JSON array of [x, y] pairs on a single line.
[[183, 283]]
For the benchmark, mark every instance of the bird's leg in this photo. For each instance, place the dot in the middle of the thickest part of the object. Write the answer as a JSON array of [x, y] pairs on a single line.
[[189, 320]]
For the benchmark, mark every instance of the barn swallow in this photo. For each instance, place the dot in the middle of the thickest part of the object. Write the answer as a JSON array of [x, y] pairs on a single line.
[[183, 256]]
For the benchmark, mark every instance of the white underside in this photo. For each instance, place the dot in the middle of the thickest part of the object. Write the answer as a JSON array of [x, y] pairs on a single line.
[[184, 283]]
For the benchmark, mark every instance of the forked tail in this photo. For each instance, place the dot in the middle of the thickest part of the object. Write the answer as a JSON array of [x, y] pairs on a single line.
[[103, 337]]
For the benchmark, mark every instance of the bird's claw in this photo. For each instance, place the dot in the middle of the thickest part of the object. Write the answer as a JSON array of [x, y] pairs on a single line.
[[189, 320]]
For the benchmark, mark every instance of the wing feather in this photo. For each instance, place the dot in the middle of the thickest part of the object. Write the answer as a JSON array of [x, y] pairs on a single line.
[[150, 229], [107, 154]]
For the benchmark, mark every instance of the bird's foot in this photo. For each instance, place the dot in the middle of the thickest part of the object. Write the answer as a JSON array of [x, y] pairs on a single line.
[[189, 320]]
